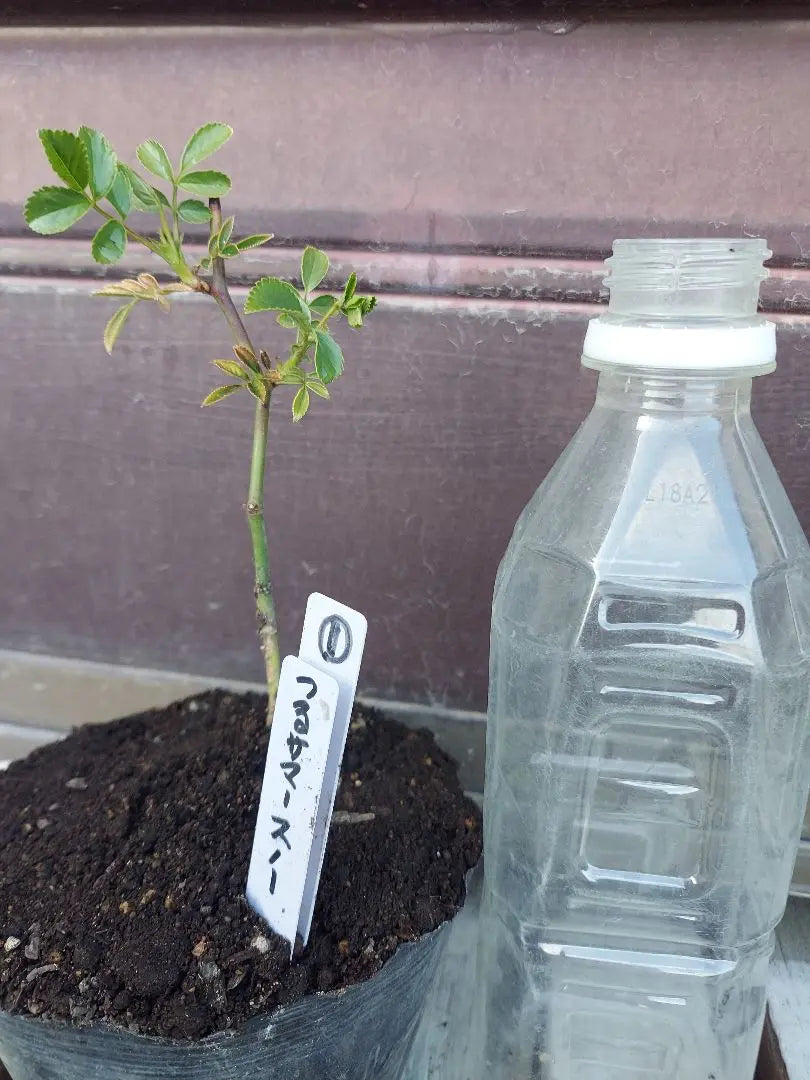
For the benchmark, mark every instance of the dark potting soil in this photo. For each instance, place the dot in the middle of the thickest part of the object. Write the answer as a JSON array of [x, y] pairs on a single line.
[[124, 853]]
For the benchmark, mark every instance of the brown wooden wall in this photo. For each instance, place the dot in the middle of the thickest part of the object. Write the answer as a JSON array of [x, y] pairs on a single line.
[[476, 174]]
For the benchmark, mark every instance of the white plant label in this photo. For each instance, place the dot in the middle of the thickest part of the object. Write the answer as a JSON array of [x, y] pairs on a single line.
[[293, 791], [332, 641]]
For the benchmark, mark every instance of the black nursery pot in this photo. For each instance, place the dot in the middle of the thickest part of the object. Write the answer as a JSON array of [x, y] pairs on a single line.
[[361, 1033], [139, 831]]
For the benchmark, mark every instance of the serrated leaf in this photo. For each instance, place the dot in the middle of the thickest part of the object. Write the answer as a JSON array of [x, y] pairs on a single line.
[[153, 157], [314, 267], [258, 387], [321, 304], [194, 211], [230, 367], [109, 243], [143, 194], [272, 294], [293, 377], [149, 281], [300, 404], [220, 393], [205, 264], [207, 183], [67, 157], [351, 285], [116, 325], [295, 320], [317, 387], [120, 288], [102, 159], [53, 209], [253, 241], [229, 251], [354, 316], [120, 194], [204, 142], [244, 354], [226, 230], [328, 357], [137, 288]]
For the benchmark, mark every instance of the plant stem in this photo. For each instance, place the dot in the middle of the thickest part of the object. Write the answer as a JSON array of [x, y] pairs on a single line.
[[175, 214], [263, 590]]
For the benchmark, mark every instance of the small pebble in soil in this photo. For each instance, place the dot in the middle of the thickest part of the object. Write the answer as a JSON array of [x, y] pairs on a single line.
[[32, 948]]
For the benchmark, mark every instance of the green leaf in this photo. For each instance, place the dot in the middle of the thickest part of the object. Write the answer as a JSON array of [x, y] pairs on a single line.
[[230, 367], [116, 325], [229, 251], [317, 387], [67, 157], [300, 404], [109, 243], [294, 377], [258, 387], [272, 294], [225, 231], [53, 209], [314, 267], [245, 354], [154, 158], [321, 304], [194, 211], [213, 246], [220, 393], [357, 308], [209, 184], [204, 142], [355, 317], [253, 241], [205, 264], [295, 320], [143, 195], [102, 161], [351, 285], [328, 357], [120, 194]]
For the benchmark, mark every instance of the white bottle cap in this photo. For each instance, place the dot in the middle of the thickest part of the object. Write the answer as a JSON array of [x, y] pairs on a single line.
[[749, 349]]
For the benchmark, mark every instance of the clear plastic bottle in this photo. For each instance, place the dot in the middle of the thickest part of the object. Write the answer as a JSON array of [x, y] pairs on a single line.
[[647, 756]]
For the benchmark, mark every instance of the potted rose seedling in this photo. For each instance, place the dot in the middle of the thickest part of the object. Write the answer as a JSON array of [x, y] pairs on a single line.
[[127, 947]]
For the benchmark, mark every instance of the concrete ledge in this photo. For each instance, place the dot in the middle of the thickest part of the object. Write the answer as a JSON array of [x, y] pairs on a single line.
[[43, 697]]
